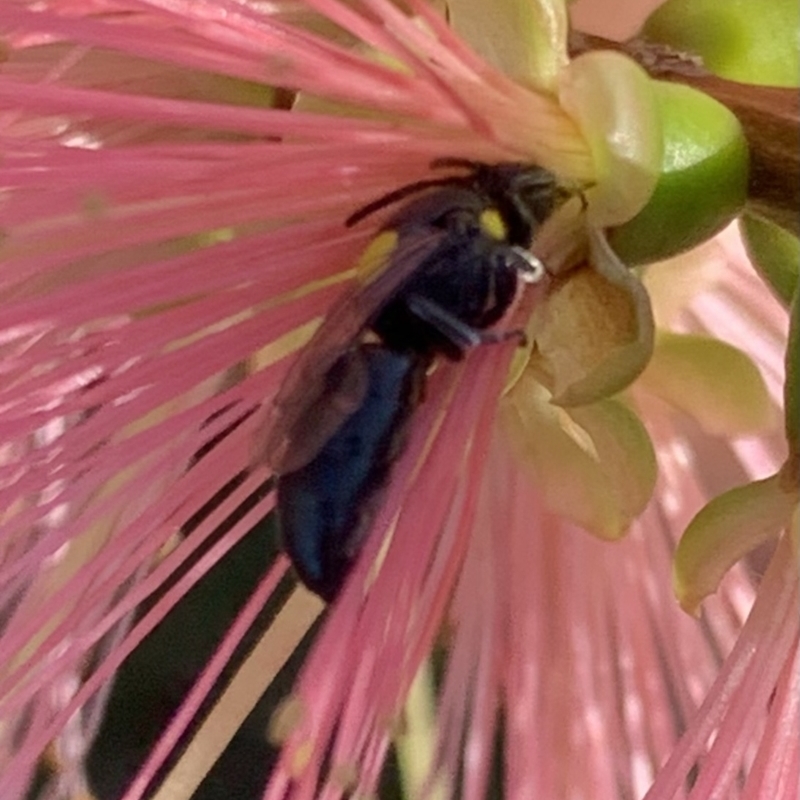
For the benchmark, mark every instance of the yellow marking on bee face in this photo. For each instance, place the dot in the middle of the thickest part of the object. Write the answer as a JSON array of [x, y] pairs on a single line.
[[492, 224], [376, 255]]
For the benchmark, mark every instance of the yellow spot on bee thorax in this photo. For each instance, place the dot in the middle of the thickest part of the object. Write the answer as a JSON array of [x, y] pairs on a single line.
[[376, 255], [492, 224]]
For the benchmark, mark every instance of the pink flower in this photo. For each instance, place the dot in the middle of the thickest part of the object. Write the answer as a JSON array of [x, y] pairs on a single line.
[[744, 736], [173, 232]]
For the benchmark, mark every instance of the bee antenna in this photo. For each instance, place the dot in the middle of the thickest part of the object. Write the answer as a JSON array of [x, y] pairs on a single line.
[[447, 162], [395, 196]]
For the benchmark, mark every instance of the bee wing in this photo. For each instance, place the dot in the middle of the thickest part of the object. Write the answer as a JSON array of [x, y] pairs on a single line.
[[325, 385]]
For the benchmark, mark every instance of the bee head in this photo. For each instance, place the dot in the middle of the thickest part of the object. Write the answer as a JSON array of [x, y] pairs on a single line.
[[524, 194]]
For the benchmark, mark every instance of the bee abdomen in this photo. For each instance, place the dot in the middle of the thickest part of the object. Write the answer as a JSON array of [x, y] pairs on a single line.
[[325, 507]]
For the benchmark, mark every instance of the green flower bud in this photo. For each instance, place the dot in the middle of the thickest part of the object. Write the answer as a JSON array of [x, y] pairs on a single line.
[[703, 181]]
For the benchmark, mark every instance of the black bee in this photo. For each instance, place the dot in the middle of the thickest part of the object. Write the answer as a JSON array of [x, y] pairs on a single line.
[[452, 260], [325, 506]]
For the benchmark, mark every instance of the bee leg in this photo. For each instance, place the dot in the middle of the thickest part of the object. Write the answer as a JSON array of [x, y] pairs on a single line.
[[458, 333], [461, 335], [516, 333], [498, 337], [529, 268]]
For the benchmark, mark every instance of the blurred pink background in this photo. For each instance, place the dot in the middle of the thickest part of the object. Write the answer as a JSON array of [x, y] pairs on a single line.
[[615, 19]]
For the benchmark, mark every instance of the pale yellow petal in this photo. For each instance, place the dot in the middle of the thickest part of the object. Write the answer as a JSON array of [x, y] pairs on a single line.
[[594, 333], [594, 465], [715, 383], [612, 101], [526, 39], [728, 528]]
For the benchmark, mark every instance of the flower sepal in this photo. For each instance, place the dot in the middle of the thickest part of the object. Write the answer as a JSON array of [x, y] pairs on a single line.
[[724, 531], [594, 465], [774, 252], [711, 381], [594, 334], [611, 99]]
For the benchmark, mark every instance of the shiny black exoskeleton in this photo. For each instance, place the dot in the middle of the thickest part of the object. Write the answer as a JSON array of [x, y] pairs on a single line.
[[325, 505], [458, 253], [484, 223]]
